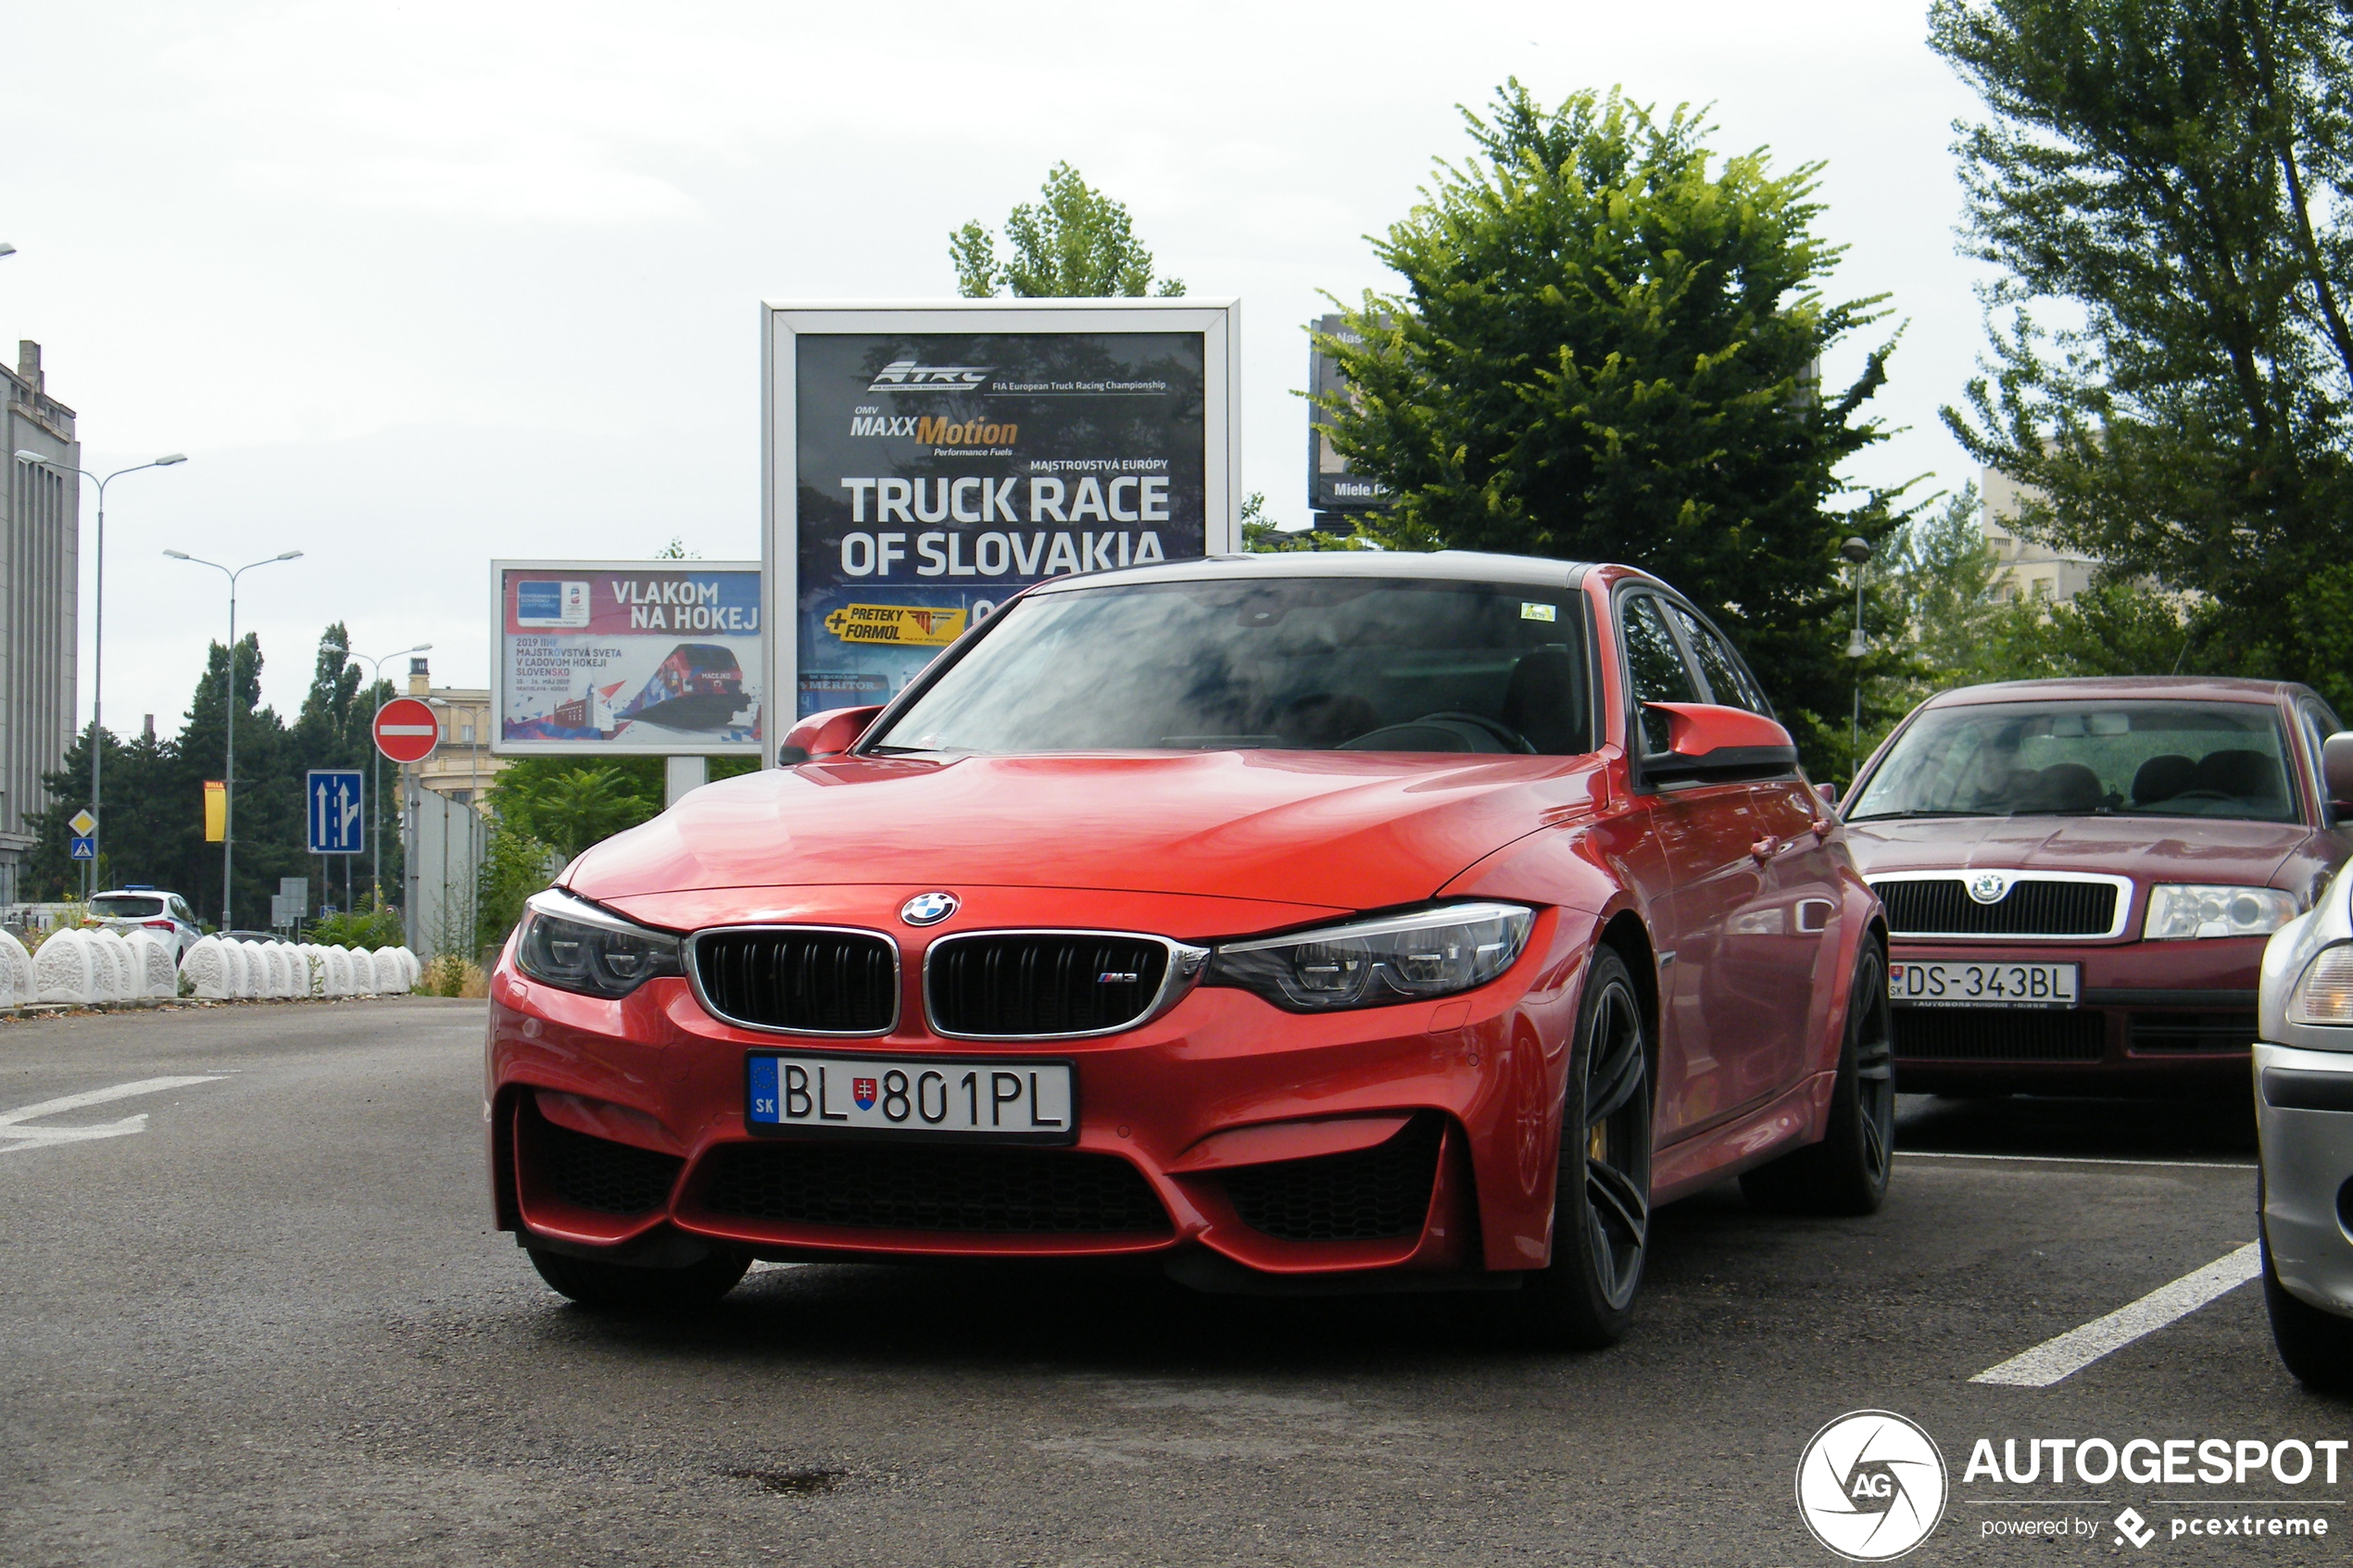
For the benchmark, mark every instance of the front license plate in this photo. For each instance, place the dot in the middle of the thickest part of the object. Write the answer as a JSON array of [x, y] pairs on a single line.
[[995, 1101], [1983, 984]]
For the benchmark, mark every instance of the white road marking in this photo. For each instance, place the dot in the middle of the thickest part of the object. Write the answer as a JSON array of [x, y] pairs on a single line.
[[2079, 1348], [2081, 1159], [15, 1134]]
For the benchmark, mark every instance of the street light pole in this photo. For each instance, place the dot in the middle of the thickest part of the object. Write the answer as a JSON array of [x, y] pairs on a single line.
[[1858, 551], [229, 721], [97, 629], [375, 783]]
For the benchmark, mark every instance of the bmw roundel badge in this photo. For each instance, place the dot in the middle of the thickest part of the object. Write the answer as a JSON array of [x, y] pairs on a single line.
[[928, 909]]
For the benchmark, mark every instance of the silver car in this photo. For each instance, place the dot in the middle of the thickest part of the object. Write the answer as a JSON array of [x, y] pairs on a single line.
[[2304, 1112]]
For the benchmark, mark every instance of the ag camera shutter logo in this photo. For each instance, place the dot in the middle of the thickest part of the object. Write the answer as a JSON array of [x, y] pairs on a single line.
[[1871, 1486]]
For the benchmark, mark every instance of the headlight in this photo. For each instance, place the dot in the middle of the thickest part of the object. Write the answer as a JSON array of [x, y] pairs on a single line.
[[573, 946], [2179, 909], [2324, 993], [1370, 963]]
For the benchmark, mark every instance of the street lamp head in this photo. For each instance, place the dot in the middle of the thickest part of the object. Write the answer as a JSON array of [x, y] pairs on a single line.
[[1858, 645], [26, 455], [1857, 550], [170, 457], [178, 555], [290, 555], [6, 249]]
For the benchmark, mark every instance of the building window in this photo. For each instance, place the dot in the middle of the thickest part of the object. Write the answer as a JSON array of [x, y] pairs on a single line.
[[466, 734]]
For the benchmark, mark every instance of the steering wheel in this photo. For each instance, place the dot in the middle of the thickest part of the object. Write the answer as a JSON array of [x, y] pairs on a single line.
[[1506, 738]]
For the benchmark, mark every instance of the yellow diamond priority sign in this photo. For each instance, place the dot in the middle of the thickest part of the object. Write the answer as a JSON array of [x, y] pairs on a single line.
[[82, 822]]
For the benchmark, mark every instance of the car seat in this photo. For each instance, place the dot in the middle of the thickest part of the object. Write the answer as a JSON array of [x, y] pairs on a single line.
[[2062, 786], [2247, 774], [1543, 702], [2162, 778]]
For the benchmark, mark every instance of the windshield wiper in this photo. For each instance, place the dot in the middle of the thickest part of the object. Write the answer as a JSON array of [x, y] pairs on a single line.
[[1897, 816]]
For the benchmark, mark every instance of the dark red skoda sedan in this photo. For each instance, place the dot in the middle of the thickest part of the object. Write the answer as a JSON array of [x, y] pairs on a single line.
[[2080, 876]]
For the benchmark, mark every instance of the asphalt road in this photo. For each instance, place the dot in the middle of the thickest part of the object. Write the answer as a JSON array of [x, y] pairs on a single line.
[[269, 1325]]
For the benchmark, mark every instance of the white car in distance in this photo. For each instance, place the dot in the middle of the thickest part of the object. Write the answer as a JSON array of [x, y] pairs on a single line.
[[152, 908]]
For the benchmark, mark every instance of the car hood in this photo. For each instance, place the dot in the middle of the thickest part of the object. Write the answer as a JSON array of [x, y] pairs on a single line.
[[1339, 829], [2147, 850]]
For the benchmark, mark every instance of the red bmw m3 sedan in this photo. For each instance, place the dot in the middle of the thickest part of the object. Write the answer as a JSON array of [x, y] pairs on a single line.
[[1304, 923]]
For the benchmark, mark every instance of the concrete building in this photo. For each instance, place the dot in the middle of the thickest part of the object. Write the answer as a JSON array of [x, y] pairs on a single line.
[[40, 587], [461, 766], [2027, 569]]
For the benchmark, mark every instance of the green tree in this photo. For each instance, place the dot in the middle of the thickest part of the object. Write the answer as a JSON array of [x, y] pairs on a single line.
[[1075, 242], [2169, 180], [1607, 348]]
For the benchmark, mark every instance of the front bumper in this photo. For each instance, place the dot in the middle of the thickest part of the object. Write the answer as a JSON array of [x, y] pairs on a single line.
[[2155, 1018], [1420, 1138], [2304, 1114]]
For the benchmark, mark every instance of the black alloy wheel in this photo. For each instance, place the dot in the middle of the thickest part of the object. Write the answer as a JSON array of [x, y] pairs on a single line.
[[1847, 1171], [1584, 1298], [626, 1287]]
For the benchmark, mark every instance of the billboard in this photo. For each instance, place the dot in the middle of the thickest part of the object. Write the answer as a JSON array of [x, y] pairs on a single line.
[[1331, 488], [658, 657], [926, 462]]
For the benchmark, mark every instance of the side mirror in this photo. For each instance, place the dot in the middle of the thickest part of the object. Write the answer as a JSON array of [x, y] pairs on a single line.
[[824, 734], [2337, 766], [1707, 741], [1829, 792]]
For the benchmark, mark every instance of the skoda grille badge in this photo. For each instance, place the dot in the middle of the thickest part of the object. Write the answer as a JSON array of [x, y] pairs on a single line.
[[1989, 887], [928, 909]]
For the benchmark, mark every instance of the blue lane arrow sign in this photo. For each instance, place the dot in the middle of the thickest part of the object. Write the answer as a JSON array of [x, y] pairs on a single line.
[[332, 804]]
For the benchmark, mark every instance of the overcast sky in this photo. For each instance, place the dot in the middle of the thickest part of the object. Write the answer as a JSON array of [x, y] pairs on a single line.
[[418, 284]]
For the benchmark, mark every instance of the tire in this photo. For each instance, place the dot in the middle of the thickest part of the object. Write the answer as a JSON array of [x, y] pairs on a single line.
[[622, 1286], [2316, 1347], [1584, 1298], [1847, 1171]]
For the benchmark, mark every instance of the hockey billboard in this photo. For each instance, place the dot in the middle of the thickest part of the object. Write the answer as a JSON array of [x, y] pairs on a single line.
[[663, 657]]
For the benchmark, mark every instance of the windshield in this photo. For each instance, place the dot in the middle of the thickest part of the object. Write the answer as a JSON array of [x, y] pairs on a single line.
[[2063, 758], [1311, 664], [119, 906]]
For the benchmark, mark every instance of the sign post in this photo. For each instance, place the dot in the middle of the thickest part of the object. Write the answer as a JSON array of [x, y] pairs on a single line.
[[926, 461]]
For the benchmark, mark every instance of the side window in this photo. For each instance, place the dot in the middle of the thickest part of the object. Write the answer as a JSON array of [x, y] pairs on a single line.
[[1729, 684], [1655, 667]]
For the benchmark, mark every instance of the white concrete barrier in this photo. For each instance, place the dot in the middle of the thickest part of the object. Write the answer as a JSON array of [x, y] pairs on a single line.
[[158, 976], [19, 963], [271, 976], [392, 970], [128, 983], [363, 972], [207, 967], [339, 972], [63, 969]]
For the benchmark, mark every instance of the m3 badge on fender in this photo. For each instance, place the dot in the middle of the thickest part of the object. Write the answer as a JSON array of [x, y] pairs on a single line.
[[928, 909]]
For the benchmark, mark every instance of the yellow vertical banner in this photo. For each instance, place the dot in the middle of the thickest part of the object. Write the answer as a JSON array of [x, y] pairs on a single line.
[[216, 810]]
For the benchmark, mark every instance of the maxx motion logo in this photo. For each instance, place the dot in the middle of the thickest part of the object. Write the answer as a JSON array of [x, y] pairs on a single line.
[[1871, 1486]]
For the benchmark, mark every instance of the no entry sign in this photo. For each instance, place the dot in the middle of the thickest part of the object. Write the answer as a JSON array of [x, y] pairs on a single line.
[[405, 730]]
